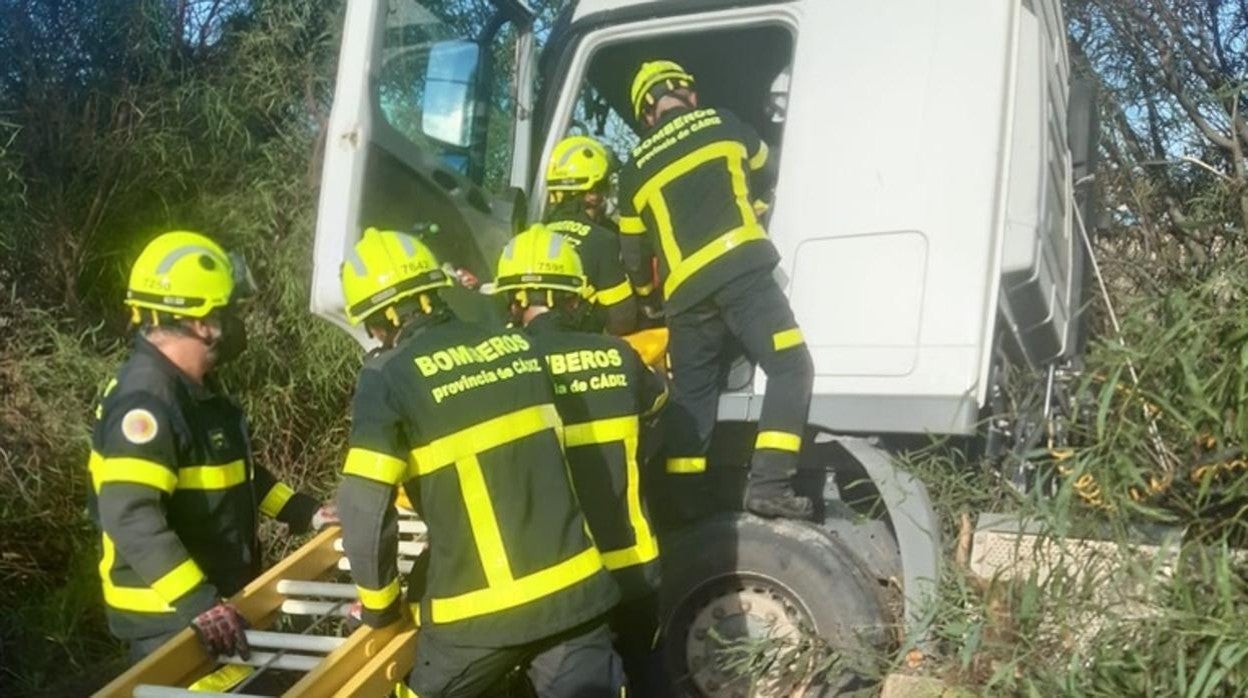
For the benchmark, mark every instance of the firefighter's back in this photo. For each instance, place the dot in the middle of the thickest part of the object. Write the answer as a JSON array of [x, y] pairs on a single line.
[[602, 392], [510, 561]]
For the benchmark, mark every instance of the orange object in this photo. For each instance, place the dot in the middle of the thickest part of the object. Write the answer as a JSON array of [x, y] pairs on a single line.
[[651, 345], [403, 502]]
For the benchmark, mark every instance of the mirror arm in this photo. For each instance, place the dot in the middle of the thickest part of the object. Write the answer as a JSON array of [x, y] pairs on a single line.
[[517, 11], [485, 79], [486, 36]]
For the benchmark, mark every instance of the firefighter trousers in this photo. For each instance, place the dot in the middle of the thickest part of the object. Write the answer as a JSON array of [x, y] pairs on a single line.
[[635, 624], [752, 313], [144, 646], [578, 663]]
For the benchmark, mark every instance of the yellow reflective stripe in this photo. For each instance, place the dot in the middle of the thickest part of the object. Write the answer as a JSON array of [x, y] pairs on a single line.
[[626, 430], [517, 592], [415, 609], [379, 599], [644, 290], [213, 477], [650, 194], [374, 466], [137, 599], [223, 679], [483, 522], [133, 470], [175, 584], [709, 253], [646, 547], [484, 436], [276, 499], [94, 463], [503, 590], [686, 465], [646, 550], [632, 225], [779, 440], [667, 237], [760, 158], [732, 151], [601, 431], [99, 408], [787, 339], [615, 294]]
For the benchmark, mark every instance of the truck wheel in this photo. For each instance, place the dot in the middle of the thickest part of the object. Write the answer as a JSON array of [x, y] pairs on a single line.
[[778, 599]]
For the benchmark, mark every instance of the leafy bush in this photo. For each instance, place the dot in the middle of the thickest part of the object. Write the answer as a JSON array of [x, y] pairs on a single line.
[[1171, 448], [212, 129], [1166, 451]]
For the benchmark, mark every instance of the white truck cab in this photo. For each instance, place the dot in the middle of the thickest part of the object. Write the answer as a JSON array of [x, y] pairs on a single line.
[[923, 212]]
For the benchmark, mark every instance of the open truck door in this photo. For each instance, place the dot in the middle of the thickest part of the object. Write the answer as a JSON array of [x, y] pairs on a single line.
[[421, 96]]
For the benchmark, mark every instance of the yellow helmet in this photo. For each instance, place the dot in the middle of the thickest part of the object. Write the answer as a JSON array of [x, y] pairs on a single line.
[[541, 259], [578, 163], [182, 273], [385, 267], [654, 79]]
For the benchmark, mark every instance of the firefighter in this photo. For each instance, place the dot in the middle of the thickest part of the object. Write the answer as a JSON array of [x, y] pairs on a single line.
[[686, 193], [462, 418], [577, 186], [603, 392], [175, 491]]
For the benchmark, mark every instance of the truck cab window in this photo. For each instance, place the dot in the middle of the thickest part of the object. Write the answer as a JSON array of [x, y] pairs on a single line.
[[736, 69], [432, 87]]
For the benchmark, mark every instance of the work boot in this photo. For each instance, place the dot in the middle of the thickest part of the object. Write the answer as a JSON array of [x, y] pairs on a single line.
[[784, 505]]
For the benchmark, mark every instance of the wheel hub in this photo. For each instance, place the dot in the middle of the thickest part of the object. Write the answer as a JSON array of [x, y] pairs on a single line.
[[740, 622]]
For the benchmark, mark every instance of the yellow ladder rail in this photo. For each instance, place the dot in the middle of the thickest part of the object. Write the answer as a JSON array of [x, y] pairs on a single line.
[[368, 663]]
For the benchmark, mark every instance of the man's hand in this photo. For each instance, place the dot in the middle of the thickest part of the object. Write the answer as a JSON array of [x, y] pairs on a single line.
[[325, 516], [222, 630], [354, 617]]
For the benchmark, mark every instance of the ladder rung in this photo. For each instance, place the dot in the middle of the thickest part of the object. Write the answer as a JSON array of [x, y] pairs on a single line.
[[292, 641], [299, 586], [408, 548], [412, 526], [331, 590], [405, 566], [148, 691], [299, 607], [271, 660]]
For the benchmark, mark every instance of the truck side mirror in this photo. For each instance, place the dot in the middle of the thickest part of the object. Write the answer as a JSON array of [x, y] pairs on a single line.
[[450, 92]]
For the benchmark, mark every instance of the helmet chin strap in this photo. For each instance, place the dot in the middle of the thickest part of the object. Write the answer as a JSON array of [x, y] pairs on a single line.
[[210, 343]]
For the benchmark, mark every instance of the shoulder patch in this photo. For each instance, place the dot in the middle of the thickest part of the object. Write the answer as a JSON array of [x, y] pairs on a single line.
[[139, 426]]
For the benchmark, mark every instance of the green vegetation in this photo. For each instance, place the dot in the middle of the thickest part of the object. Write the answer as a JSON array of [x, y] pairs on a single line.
[[119, 120]]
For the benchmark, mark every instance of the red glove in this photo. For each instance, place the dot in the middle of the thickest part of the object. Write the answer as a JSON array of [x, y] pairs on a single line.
[[221, 629]]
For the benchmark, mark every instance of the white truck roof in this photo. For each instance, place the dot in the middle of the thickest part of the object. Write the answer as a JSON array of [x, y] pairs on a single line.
[[589, 7]]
